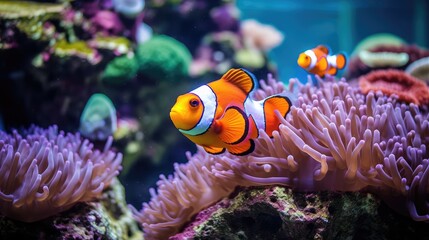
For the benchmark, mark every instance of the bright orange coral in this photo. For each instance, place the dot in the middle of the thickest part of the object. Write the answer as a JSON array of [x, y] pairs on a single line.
[[405, 86]]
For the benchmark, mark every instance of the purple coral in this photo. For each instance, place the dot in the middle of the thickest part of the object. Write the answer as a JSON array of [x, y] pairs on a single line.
[[46, 171], [335, 138]]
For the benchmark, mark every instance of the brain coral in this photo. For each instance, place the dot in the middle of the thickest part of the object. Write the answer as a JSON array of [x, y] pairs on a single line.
[[163, 58], [335, 138], [392, 81], [358, 68], [44, 172]]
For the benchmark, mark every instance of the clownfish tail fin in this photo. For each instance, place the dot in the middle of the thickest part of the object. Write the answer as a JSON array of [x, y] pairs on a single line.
[[279, 103], [341, 60]]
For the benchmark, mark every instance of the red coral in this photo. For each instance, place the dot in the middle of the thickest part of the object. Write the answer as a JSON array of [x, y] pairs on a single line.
[[405, 86]]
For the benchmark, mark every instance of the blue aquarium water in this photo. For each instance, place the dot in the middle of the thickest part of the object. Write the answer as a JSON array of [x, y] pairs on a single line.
[[339, 24], [87, 77]]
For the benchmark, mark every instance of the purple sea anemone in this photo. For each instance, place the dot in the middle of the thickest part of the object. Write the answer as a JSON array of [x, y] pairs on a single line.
[[335, 138], [44, 172]]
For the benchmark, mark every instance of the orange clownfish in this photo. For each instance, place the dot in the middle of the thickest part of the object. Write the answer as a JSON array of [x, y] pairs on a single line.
[[319, 62], [222, 115]]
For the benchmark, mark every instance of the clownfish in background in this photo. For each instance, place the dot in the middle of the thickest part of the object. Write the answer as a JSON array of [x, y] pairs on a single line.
[[222, 115], [318, 61]]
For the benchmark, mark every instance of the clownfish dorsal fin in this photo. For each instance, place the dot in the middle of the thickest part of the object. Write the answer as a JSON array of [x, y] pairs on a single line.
[[234, 125], [324, 49], [271, 104], [242, 78]]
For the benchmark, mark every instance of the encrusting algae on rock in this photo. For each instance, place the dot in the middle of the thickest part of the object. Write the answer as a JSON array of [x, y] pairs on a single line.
[[277, 212], [105, 218]]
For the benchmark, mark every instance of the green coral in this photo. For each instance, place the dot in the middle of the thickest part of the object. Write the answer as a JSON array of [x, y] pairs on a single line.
[[120, 70], [163, 58]]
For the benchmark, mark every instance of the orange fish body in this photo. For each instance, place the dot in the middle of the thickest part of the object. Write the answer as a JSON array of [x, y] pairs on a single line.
[[318, 61], [221, 115]]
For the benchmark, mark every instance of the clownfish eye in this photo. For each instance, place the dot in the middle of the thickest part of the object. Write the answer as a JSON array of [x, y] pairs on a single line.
[[194, 102]]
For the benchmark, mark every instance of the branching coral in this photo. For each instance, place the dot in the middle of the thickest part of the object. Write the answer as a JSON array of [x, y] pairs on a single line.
[[44, 172], [335, 138]]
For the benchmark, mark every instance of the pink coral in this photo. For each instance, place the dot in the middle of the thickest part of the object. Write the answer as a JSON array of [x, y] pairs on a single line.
[[44, 172], [335, 138], [106, 22], [260, 36]]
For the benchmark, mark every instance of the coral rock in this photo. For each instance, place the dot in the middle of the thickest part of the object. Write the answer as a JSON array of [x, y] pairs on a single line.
[[107, 219], [279, 213]]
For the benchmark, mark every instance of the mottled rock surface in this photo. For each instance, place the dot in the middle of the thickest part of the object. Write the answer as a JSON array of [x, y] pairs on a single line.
[[108, 218], [279, 213]]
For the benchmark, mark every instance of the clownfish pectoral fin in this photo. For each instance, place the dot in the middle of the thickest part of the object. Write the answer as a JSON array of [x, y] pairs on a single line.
[[242, 78], [322, 64], [324, 49], [279, 103], [234, 125], [243, 148], [214, 150], [341, 60], [332, 71]]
